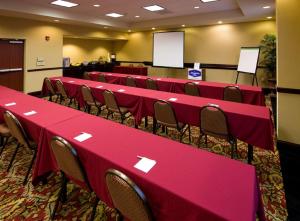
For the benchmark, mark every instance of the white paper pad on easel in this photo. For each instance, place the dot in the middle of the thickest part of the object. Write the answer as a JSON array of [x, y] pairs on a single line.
[[83, 136], [10, 104], [121, 90], [145, 164], [30, 113], [173, 99]]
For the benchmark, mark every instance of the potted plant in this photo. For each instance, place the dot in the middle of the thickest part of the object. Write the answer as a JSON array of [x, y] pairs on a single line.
[[268, 50]]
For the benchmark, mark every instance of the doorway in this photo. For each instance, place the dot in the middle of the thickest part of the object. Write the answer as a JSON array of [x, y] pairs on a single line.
[[12, 63]]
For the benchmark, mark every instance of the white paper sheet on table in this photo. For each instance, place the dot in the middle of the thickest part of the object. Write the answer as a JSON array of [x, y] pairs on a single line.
[[121, 90], [145, 164], [10, 104], [173, 99], [30, 113], [83, 136]]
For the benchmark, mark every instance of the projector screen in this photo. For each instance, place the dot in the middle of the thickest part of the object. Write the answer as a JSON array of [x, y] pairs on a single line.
[[168, 49]]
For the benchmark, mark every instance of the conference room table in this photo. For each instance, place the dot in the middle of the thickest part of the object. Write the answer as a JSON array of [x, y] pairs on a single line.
[[131, 70], [185, 183], [249, 123], [251, 94]]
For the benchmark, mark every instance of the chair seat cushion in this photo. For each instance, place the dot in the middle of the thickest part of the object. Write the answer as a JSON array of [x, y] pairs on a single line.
[[4, 130]]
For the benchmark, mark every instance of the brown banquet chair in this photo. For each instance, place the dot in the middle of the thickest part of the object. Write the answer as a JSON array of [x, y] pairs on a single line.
[[213, 122], [50, 88], [18, 132], [70, 166], [101, 78], [164, 115], [128, 199], [86, 76], [151, 84], [4, 136], [130, 81], [62, 93], [190, 88], [113, 106], [233, 93], [89, 100]]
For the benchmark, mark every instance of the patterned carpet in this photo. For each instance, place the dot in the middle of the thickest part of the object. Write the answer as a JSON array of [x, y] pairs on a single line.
[[18, 202]]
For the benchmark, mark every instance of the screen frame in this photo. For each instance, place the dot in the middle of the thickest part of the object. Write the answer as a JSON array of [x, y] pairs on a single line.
[[182, 49]]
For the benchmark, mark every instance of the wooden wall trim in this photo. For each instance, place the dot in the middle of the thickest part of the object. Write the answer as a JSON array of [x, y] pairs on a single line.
[[44, 69], [288, 90], [191, 65]]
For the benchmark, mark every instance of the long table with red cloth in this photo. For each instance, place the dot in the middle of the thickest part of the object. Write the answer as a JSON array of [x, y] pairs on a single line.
[[249, 123], [185, 184], [47, 113], [251, 94], [131, 70]]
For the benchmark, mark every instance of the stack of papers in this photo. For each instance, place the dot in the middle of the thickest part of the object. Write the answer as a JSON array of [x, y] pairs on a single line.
[[10, 104], [83, 136], [145, 164], [30, 113]]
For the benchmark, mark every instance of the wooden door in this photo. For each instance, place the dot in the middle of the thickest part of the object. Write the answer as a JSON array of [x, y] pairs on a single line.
[[12, 63]]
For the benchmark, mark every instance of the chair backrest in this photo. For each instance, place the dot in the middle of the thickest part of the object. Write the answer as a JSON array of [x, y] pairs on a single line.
[[233, 93], [127, 197], [16, 129], [164, 113], [101, 78], [61, 89], [110, 101], [86, 75], [191, 88], [67, 159], [87, 94], [49, 86], [213, 122], [130, 81], [151, 84]]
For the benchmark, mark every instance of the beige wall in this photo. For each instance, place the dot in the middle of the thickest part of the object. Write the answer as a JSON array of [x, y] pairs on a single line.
[[80, 50], [217, 44], [288, 72], [34, 33]]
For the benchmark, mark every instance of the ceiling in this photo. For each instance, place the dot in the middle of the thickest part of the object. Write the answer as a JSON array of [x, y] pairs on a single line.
[[176, 13]]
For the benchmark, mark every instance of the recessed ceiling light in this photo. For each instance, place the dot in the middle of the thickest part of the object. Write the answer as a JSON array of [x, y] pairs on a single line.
[[267, 6], [196, 7], [153, 8], [56, 20], [137, 16], [182, 25], [220, 22], [205, 1], [153, 28], [64, 3], [96, 6], [114, 15], [269, 17]]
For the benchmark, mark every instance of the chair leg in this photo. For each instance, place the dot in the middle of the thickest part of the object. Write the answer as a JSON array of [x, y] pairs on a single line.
[[30, 166], [146, 121], [154, 125], [13, 158], [60, 195], [70, 102], [3, 144], [94, 208], [205, 141], [189, 128]]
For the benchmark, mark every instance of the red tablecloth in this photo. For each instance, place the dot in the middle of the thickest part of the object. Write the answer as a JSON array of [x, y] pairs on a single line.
[[131, 70], [249, 123], [47, 113], [185, 184], [251, 94]]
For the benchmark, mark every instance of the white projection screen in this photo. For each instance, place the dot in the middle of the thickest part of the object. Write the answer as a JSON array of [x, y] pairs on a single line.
[[168, 49]]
